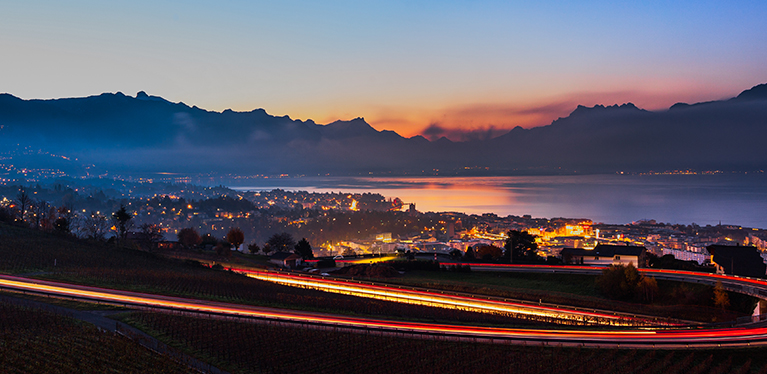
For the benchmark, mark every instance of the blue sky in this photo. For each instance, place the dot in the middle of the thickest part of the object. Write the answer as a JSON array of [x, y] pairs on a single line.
[[403, 65]]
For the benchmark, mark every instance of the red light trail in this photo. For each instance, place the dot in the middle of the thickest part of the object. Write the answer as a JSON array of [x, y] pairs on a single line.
[[636, 338]]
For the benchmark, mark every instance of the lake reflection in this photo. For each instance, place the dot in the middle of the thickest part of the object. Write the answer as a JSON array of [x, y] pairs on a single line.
[[704, 199]]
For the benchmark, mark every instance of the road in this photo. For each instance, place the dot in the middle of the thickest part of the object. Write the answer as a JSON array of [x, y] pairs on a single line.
[[453, 300], [634, 338], [749, 286]]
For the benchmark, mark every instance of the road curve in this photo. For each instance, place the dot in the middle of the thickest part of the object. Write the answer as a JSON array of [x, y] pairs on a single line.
[[749, 286], [453, 300], [679, 338]]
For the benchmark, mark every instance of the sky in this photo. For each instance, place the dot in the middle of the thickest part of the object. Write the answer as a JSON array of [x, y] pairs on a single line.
[[455, 68]]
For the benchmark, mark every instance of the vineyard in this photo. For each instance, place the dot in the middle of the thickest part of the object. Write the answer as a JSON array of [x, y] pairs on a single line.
[[100, 265], [38, 341], [243, 347]]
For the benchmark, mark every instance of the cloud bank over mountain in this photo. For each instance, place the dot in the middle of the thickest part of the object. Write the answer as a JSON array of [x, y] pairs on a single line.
[[150, 134]]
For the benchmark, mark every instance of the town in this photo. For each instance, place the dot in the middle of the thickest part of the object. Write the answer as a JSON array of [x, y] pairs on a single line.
[[344, 224]]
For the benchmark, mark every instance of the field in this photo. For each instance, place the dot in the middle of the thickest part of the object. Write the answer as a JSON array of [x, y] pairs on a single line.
[[37, 341], [242, 347]]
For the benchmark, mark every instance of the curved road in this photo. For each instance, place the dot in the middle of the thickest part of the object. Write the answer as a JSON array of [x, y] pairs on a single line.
[[453, 300], [636, 338], [749, 286]]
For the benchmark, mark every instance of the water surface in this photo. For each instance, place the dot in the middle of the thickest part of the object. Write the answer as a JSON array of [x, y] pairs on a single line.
[[736, 199]]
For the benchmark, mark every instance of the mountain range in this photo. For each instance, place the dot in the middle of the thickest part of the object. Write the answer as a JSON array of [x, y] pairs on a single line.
[[146, 133]]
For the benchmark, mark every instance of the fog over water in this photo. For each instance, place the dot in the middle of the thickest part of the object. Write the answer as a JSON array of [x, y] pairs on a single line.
[[738, 199]]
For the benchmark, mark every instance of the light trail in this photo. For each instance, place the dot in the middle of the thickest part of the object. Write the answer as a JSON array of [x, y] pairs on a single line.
[[750, 286], [449, 300], [730, 337]]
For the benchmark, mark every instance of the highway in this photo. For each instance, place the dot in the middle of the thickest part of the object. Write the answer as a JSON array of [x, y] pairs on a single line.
[[453, 300], [749, 286], [626, 338]]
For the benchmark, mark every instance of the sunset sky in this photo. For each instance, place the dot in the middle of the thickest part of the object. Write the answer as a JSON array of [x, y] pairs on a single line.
[[403, 65]]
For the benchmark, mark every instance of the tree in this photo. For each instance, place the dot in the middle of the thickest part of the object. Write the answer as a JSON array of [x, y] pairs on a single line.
[[122, 221], [266, 248], [721, 299], [520, 247], [648, 288], [95, 226], [619, 281], [61, 225], [149, 235], [489, 252], [61, 218], [24, 202], [469, 254], [208, 239], [40, 211], [281, 242], [188, 237], [235, 236], [304, 249], [253, 248]]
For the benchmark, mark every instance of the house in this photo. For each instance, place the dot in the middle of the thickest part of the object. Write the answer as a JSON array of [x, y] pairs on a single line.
[[286, 259], [167, 244], [605, 255], [737, 260]]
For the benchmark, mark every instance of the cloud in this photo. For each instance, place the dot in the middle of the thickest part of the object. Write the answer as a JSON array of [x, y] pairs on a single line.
[[435, 131], [185, 121], [479, 120]]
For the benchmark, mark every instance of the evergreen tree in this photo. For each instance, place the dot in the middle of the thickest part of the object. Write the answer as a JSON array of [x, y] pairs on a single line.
[[303, 249]]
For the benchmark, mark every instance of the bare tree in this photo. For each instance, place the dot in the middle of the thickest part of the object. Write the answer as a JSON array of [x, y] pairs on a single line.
[[95, 226], [149, 235], [40, 212], [24, 202], [281, 242]]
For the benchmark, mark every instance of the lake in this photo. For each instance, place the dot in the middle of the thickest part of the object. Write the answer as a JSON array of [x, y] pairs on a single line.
[[737, 199]]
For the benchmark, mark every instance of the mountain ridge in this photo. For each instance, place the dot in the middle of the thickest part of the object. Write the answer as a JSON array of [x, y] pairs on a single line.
[[145, 132]]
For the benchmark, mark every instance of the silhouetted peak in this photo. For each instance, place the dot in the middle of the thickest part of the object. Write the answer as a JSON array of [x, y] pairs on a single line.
[[343, 129], [758, 92], [580, 109], [419, 138], [679, 106], [141, 95], [356, 124]]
